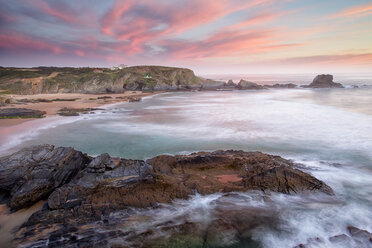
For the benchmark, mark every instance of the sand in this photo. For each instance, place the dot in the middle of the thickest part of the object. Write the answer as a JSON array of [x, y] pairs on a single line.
[[51, 108]]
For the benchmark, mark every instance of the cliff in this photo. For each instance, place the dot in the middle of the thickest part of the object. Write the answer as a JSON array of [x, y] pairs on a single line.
[[99, 80]]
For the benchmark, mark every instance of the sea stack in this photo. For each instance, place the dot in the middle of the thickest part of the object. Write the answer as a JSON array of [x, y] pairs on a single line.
[[324, 81]]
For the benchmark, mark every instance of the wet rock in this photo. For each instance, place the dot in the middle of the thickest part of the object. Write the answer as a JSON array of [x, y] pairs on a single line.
[[33, 173], [323, 81], [81, 190], [359, 235], [226, 171], [9, 113], [246, 85]]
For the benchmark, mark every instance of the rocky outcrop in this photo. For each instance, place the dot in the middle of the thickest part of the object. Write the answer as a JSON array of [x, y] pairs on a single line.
[[34, 173], [226, 171], [323, 81], [247, 85], [69, 176], [282, 86], [10, 113], [80, 190]]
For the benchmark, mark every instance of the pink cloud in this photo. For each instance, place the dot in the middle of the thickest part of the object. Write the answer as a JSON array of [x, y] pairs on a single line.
[[360, 10], [16, 42]]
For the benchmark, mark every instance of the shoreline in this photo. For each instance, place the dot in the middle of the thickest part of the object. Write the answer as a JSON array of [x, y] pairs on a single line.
[[51, 108], [15, 131]]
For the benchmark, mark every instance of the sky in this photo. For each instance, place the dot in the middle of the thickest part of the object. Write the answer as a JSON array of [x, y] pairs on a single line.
[[208, 36]]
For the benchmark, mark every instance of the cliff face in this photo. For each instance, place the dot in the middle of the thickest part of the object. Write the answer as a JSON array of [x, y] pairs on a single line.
[[99, 80]]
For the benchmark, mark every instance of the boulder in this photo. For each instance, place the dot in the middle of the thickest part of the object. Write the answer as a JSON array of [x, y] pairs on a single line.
[[247, 85], [33, 173], [324, 81]]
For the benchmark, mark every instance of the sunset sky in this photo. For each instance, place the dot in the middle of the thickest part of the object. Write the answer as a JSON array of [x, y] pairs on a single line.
[[208, 36]]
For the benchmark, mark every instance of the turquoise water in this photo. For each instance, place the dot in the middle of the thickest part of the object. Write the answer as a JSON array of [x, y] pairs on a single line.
[[329, 131]]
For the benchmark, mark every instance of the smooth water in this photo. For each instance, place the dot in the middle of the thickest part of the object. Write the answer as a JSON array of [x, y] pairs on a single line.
[[329, 131]]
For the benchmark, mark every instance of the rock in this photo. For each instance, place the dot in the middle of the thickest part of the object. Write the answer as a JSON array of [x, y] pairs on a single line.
[[134, 99], [9, 101], [246, 85], [230, 83], [324, 81], [75, 111], [33, 173], [2, 101], [100, 192], [104, 97], [226, 171], [359, 235], [282, 86], [9, 113]]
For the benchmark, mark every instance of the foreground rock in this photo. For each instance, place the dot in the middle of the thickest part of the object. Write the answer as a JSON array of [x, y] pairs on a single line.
[[323, 81], [247, 85], [80, 190], [11, 113], [34, 173]]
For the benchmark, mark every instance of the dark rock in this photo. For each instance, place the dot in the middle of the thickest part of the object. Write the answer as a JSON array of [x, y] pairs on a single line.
[[76, 111], [89, 191], [134, 99], [323, 81], [282, 86], [246, 85], [9, 113], [33, 173], [359, 235], [230, 83], [104, 97], [226, 171]]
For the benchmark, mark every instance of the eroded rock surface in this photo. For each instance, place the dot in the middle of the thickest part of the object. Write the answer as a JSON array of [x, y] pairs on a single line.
[[33, 173], [81, 190]]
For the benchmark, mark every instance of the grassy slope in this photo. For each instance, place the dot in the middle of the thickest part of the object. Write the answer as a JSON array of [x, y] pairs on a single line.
[[17, 80]]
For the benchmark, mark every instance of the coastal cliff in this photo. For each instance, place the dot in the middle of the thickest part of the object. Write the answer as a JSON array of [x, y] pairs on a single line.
[[100, 80]]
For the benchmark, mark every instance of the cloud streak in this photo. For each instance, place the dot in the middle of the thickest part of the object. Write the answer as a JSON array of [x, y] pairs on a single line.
[[143, 31]]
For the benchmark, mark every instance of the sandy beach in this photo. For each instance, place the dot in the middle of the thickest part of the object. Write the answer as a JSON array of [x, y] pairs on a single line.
[[51, 108]]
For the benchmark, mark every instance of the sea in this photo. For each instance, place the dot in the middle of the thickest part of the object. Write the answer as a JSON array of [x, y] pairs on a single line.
[[327, 131]]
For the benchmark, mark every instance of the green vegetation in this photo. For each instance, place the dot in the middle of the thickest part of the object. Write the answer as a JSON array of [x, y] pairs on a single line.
[[91, 80]]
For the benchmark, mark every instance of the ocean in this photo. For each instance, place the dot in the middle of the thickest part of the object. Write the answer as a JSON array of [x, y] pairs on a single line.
[[328, 131]]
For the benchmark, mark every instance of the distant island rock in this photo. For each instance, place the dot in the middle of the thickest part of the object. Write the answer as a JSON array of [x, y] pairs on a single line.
[[323, 81], [247, 85]]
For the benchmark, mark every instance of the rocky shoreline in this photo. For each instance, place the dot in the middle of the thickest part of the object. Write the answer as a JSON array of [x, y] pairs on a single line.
[[81, 190]]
